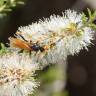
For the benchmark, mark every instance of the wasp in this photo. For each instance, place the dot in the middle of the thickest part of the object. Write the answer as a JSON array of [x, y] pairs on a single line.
[[24, 44]]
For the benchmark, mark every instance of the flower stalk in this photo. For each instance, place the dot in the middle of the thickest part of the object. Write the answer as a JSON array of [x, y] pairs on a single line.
[[49, 41]]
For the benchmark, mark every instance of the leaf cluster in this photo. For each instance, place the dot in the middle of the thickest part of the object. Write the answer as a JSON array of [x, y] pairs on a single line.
[[90, 19], [7, 5]]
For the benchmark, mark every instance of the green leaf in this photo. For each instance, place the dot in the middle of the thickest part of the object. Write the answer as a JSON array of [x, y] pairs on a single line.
[[3, 49], [84, 18], [7, 5], [92, 16], [93, 26], [89, 13]]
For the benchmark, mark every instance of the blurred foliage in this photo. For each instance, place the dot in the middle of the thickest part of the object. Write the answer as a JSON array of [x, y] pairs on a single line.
[[3, 49], [52, 74], [89, 21], [7, 5], [48, 78]]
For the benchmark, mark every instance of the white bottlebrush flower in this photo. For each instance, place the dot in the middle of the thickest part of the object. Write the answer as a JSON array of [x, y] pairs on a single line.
[[60, 36], [17, 75]]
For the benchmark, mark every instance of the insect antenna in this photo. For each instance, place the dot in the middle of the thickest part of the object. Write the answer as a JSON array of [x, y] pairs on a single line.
[[18, 34], [23, 37]]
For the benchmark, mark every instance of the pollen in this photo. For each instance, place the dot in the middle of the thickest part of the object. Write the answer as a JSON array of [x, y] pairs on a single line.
[[11, 75], [71, 29]]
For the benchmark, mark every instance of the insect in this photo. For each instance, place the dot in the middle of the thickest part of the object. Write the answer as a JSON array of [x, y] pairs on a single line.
[[22, 43], [16, 42]]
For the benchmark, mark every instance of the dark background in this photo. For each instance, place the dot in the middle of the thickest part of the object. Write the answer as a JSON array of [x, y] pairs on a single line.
[[81, 70]]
